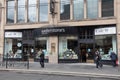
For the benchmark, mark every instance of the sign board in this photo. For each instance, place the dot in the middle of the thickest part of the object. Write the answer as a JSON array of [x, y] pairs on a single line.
[[13, 34], [106, 30]]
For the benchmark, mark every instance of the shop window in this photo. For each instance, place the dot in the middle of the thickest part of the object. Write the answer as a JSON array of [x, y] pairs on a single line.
[[68, 48], [107, 8], [13, 47], [10, 11], [41, 43], [43, 10], [105, 44], [65, 10]]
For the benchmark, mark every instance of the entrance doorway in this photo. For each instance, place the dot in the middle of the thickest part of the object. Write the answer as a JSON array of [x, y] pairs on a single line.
[[28, 50], [86, 52]]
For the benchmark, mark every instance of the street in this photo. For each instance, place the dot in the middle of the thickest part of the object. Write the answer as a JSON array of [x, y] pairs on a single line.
[[10, 75]]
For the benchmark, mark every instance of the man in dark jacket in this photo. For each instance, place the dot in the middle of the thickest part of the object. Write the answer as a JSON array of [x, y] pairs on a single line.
[[113, 57], [98, 59], [42, 58]]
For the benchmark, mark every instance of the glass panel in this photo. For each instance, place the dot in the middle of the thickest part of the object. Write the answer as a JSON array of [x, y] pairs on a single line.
[[65, 10], [41, 43], [68, 47], [21, 11], [105, 44], [43, 14], [92, 9], [107, 8], [10, 11], [32, 11], [78, 9], [13, 47]]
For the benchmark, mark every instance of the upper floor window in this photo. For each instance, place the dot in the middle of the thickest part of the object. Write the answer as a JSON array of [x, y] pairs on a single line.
[[92, 9], [65, 10], [10, 11], [31, 10], [78, 9], [107, 8], [21, 11], [43, 11]]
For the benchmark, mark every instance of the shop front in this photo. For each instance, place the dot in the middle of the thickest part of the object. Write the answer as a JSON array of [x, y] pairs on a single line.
[[13, 45], [61, 44], [105, 42]]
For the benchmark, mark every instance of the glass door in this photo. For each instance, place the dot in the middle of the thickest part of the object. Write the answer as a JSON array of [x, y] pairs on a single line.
[[28, 50], [86, 52]]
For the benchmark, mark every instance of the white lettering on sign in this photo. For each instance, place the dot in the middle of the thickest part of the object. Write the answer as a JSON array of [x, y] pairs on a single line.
[[13, 34], [47, 31], [104, 31]]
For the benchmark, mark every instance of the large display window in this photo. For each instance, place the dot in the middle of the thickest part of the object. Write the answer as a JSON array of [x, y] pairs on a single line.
[[106, 44], [13, 48], [41, 43], [68, 47], [13, 45]]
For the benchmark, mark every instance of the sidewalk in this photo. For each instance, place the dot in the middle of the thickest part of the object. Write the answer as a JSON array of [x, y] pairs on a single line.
[[74, 69]]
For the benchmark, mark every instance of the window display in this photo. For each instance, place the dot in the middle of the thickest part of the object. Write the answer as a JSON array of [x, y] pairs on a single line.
[[42, 43], [13, 47], [68, 47], [106, 44]]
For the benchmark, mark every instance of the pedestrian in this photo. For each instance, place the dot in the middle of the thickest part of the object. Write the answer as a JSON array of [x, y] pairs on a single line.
[[41, 55], [113, 57], [98, 59]]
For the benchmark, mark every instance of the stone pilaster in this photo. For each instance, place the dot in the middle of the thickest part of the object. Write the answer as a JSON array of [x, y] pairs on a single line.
[[118, 26], [53, 49]]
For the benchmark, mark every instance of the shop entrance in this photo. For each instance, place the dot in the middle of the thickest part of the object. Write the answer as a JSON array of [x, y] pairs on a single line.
[[28, 50], [86, 52]]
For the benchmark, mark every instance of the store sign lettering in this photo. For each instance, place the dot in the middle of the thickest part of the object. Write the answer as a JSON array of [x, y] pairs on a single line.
[[103, 31], [13, 34], [48, 31]]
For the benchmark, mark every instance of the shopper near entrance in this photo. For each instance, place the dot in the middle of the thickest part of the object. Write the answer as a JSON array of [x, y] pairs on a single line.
[[41, 55], [113, 57], [98, 59]]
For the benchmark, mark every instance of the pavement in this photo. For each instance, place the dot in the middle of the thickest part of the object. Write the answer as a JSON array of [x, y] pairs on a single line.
[[69, 69]]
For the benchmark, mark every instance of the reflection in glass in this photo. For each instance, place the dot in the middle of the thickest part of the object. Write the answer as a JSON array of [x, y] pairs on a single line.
[[43, 12], [10, 11], [65, 10], [107, 8], [21, 11], [78, 9], [92, 9], [32, 11]]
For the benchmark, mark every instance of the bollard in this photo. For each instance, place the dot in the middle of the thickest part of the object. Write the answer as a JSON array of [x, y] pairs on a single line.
[[7, 60], [27, 61]]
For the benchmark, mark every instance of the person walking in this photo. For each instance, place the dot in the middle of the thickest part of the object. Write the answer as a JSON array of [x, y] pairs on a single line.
[[98, 59], [113, 57], [41, 60]]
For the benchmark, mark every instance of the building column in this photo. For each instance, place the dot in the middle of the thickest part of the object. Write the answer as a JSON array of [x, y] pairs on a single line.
[[53, 49], [118, 27], [2, 21]]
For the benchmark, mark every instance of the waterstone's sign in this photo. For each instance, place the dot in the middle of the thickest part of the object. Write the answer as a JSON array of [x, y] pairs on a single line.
[[55, 31], [48, 31]]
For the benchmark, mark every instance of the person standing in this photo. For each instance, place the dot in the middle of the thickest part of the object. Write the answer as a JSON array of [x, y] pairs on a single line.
[[113, 57], [98, 59], [41, 55]]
